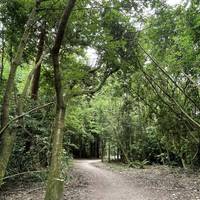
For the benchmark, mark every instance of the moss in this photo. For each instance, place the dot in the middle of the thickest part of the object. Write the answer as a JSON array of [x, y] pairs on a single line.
[[5, 153]]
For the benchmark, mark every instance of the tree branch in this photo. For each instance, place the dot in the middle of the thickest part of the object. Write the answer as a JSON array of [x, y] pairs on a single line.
[[99, 87], [172, 99], [168, 76], [24, 114]]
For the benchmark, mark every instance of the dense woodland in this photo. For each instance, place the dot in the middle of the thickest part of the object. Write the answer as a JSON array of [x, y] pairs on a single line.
[[116, 80]]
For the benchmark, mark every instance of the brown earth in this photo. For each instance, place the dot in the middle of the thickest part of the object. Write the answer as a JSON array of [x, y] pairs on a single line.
[[93, 180]]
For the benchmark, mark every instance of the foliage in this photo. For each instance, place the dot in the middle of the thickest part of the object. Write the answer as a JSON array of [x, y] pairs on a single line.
[[137, 104]]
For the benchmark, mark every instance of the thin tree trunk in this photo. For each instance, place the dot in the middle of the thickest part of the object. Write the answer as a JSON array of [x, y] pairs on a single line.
[[21, 101], [2, 56], [55, 181], [183, 163], [27, 85], [8, 138], [124, 156], [103, 144], [109, 152], [124, 153], [190, 118], [36, 76], [168, 76], [118, 153]]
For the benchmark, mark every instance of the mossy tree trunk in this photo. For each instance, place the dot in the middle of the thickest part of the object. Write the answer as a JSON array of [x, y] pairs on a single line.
[[8, 137], [55, 181]]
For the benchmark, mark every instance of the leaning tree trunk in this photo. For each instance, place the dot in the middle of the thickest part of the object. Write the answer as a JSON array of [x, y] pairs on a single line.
[[55, 181], [8, 137], [23, 96]]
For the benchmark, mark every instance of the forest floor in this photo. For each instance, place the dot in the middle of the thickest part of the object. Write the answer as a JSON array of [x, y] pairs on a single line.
[[93, 180]]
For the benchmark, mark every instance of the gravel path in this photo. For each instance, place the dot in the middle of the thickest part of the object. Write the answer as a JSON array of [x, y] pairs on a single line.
[[104, 184]]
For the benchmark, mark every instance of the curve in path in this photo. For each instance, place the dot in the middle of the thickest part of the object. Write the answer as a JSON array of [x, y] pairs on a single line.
[[108, 185]]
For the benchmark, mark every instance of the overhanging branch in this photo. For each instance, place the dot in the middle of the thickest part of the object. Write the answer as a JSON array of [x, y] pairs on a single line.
[[168, 76], [99, 87]]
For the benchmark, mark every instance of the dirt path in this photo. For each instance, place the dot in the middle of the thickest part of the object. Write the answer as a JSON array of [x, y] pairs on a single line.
[[104, 184], [93, 180]]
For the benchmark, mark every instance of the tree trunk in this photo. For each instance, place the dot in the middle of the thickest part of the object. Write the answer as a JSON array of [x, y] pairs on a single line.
[[109, 152], [8, 138], [27, 85], [103, 144], [118, 153], [2, 56], [5, 152], [55, 181], [36, 76]]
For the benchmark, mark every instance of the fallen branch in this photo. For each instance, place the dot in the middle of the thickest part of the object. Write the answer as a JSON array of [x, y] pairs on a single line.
[[22, 173]]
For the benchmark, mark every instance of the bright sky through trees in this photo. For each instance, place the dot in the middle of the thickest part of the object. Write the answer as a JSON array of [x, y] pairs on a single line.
[[91, 53], [174, 2]]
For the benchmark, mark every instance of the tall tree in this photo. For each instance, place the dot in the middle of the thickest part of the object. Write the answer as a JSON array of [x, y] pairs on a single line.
[[55, 179], [8, 136]]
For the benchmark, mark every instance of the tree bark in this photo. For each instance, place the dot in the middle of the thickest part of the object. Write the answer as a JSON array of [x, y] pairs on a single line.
[[8, 138], [2, 56], [36, 76], [55, 181]]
